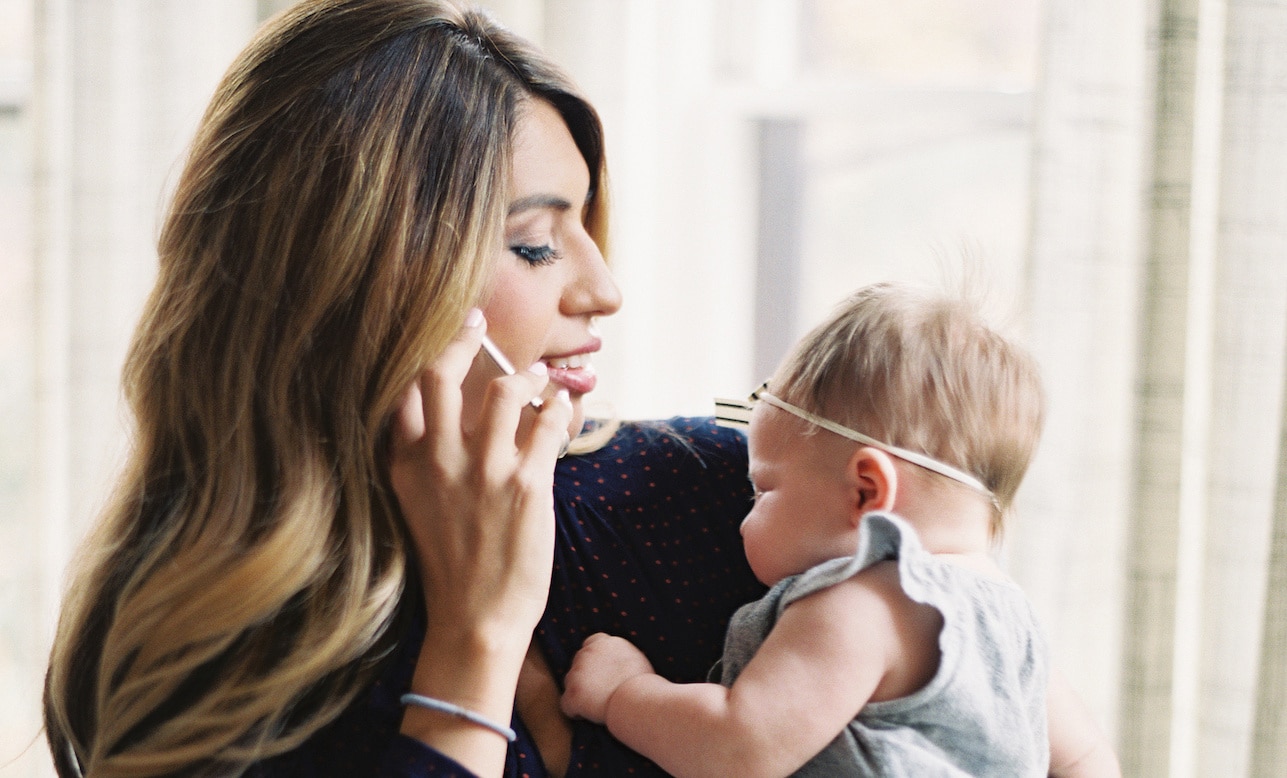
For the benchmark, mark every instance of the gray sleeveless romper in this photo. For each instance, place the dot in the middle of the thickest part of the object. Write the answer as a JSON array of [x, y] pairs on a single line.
[[984, 711]]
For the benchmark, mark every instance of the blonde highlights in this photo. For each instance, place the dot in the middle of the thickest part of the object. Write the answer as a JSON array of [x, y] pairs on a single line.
[[925, 373], [339, 212]]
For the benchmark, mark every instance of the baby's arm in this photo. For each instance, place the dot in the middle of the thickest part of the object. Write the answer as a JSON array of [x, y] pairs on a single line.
[[821, 663], [1078, 747]]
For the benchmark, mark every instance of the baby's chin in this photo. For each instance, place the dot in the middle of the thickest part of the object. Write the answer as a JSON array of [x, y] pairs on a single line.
[[768, 571]]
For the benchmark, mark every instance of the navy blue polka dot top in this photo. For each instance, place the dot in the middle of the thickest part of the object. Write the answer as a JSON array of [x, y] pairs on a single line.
[[648, 548]]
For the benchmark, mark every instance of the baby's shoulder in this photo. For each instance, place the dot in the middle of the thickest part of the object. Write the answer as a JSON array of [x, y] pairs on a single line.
[[871, 597], [873, 609]]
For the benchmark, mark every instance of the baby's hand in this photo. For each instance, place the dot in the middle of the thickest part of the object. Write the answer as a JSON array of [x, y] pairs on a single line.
[[603, 664]]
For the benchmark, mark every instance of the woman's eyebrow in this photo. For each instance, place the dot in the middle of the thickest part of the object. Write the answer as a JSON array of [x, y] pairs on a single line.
[[553, 202]]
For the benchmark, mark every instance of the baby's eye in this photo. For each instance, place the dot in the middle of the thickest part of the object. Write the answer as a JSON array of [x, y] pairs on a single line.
[[535, 255]]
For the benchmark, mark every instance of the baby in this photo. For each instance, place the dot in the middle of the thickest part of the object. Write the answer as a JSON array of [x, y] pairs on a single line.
[[884, 454]]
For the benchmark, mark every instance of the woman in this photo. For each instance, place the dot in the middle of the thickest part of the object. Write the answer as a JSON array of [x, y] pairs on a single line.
[[310, 527]]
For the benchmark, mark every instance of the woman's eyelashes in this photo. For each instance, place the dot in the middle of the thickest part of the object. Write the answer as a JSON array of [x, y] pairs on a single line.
[[536, 255]]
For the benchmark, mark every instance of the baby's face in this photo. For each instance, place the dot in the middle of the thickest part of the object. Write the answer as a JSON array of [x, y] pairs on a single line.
[[805, 503]]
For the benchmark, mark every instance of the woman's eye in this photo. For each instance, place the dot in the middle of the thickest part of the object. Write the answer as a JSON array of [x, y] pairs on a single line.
[[535, 255]]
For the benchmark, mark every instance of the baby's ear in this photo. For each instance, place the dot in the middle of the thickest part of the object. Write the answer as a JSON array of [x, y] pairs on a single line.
[[875, 481]]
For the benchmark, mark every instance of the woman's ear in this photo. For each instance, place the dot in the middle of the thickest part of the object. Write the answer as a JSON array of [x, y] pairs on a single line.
[[875, 481]]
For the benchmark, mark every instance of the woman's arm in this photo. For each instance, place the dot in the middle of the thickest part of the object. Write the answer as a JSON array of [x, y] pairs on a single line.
[[537, 701], [480, 512], [823, 660]]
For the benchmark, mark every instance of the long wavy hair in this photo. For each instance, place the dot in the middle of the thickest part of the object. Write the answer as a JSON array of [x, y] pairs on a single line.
[[340, 210]]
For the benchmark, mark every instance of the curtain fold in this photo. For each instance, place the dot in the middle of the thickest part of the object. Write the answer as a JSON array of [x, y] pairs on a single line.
[[1067, 548], [1269, 750], [1153, 546], [1201, 678], [1247, 378], [117, 89]]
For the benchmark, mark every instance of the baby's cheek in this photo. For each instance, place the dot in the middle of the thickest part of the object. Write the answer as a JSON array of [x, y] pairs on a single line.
[[759, 549]]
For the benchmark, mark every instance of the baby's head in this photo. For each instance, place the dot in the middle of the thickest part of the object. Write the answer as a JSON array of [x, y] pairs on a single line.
[[924, 373]]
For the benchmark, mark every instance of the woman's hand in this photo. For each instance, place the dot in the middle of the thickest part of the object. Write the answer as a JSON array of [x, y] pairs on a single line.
[[480, 510], [479, 507], [598, 669]]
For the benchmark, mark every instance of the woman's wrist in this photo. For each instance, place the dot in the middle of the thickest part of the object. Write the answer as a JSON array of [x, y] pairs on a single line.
[[472, 670], [456, 711]]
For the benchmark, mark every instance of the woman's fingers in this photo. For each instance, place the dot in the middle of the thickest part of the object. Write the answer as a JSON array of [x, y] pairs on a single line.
[[507, 399], [548, 435], [433, 400], [512, 426], [408, 425], [441, 383], [476, 489]]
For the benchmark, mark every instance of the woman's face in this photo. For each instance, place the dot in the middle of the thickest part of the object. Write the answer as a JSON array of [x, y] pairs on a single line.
[[551, 281]]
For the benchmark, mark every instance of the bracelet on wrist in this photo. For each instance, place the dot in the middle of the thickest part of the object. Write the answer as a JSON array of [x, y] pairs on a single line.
[[441, 706]]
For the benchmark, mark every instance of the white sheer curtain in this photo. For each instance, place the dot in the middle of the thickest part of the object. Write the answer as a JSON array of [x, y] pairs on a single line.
[[1159, 299], [110, 94]]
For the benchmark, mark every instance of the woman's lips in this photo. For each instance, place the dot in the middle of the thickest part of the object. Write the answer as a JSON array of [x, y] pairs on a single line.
[[573, 370], [577, 380]]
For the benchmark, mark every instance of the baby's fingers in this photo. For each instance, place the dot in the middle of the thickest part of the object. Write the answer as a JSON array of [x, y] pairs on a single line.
[[579, 699], [602, 665]]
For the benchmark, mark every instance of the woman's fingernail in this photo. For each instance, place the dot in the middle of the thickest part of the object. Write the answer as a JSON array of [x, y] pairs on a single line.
[[539, 368], [474, 318], [563, 396]]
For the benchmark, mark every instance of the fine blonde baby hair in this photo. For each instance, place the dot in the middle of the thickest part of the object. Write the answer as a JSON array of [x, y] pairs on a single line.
[[924, 372]]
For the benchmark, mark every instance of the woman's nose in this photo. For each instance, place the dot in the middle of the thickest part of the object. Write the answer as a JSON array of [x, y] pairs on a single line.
[[593, 291]]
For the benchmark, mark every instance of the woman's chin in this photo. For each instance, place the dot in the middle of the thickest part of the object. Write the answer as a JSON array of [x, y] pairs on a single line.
[[578, 419]]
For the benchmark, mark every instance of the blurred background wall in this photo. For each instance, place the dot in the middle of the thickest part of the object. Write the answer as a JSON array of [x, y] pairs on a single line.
[[1113, 172]]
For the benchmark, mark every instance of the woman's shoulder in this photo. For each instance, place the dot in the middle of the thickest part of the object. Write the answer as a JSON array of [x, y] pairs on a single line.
[[688, 440], [678, 461], [676, 456]]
